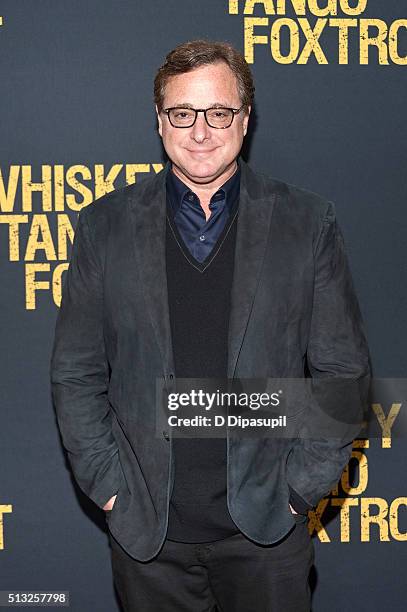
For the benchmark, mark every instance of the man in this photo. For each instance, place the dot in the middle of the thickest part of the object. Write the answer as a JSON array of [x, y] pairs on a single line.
[[207, 270]]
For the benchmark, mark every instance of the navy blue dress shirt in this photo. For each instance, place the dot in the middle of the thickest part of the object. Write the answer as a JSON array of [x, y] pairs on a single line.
[[200, 235]]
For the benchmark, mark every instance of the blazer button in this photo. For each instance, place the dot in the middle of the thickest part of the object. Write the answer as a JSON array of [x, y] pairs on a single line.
[[166, 435]]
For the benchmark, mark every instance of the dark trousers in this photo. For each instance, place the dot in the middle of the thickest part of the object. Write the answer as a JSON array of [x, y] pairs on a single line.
[[230, 575]]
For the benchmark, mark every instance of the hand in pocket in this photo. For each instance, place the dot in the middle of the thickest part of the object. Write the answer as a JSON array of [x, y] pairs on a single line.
[[109, 504]]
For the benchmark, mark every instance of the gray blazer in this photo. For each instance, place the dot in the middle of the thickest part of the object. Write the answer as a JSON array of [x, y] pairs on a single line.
[[292, 304]]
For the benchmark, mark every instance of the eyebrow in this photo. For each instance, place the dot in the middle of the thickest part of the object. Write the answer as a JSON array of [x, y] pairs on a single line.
[[213, 105]]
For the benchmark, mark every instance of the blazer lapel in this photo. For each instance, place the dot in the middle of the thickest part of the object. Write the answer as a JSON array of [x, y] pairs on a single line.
[[148, 217], [253, 224]]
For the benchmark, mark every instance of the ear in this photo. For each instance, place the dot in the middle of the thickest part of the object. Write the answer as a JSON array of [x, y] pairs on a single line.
[[160, 121], [246, 120]]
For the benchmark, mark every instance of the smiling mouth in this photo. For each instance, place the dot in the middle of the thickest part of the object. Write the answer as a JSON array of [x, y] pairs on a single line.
[[201, 151]]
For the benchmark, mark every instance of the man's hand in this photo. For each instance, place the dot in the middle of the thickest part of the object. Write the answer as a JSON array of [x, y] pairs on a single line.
[[109, 505], [292, 509]]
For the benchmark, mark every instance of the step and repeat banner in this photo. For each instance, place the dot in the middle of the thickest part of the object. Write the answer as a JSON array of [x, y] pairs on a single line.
[[77, 121]]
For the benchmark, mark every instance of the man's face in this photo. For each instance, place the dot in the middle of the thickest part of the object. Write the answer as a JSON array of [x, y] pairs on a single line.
[[201, 153]]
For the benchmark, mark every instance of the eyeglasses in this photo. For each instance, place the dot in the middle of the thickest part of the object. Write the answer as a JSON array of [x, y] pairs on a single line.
[[216, 117]]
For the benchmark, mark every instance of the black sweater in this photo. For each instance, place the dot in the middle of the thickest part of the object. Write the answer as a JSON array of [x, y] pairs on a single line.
[[199, 306]]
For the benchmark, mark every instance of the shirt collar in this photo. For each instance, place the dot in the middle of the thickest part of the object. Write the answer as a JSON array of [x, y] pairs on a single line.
[[177, 190]]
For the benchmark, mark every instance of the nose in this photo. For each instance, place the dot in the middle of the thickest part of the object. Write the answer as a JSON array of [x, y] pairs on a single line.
[[200, 130]]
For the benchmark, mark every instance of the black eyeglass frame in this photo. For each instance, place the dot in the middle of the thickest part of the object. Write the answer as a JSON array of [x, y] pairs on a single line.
[[235, 111]]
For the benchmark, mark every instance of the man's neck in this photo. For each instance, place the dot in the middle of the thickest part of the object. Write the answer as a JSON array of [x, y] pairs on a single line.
[[206, 191]]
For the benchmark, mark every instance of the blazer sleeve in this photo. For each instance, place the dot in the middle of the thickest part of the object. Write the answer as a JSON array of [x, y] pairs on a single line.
[[339, 364], [80, 374]]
